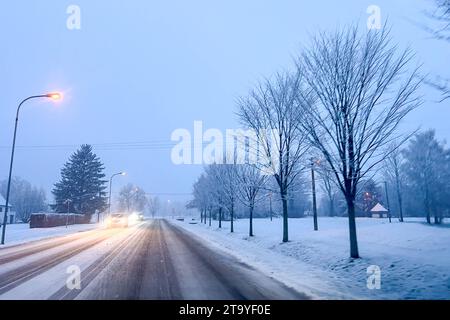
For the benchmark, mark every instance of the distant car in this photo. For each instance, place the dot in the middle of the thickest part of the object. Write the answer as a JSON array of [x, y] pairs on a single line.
[[117, 220], [141, 217], [180, 219], [193, 221]]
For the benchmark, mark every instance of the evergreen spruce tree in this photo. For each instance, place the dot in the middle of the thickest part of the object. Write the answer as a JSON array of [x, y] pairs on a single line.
[[82, 183]]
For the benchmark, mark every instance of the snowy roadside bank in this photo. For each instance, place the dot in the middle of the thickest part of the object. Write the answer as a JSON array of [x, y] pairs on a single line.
[[412, 256], [21, 233]]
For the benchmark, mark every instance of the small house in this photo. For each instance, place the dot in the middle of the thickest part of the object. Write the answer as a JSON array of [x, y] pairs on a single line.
[[378, 211], [11, 218]]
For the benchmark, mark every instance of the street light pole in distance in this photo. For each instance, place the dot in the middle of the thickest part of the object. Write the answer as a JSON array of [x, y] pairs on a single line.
[[110, 188], [54, 96]]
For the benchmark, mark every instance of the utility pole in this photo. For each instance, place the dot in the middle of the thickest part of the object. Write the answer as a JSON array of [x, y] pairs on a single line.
[[313, 182], [387, 201]]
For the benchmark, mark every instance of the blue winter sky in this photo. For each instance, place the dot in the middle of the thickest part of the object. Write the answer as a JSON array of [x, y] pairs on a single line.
[[137, 70]]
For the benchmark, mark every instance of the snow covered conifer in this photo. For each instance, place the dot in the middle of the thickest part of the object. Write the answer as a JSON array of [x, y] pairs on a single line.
[[82, 183]]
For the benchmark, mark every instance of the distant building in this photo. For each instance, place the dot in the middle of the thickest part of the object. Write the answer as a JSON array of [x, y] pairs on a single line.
[[378, 211], [11, 214]]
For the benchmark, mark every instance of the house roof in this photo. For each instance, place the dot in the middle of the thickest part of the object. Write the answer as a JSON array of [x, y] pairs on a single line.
[[3, 202], [379, 208]]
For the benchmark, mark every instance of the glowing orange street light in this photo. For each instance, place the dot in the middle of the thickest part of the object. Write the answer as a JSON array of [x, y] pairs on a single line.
[[54, 96]]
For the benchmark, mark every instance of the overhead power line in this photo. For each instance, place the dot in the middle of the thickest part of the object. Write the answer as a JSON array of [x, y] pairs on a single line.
[[141, 145]]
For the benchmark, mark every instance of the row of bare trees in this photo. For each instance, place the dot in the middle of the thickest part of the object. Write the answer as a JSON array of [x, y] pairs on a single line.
[[25, 198], [133, 198], [413, 181], [222, 187], [418, 178], [343, 101]]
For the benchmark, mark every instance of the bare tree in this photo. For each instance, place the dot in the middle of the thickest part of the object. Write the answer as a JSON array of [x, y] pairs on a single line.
[[154, 204], [441, 16], [439, 28], [200, 194], [427, 163], [25, 198], [225, 188], [132, 198], [393, 173], [250, 182], [363, 91], [273, 111], [211, 193]]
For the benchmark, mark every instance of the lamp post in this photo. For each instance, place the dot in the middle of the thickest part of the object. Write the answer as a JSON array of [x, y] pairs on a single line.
[[53, 96], [110, 186]]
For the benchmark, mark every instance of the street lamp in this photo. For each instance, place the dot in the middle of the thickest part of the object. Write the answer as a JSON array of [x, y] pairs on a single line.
[[110, 185], [54, 96]]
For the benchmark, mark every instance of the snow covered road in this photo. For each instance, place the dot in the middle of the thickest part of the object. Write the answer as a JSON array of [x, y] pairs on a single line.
[[152, 260]]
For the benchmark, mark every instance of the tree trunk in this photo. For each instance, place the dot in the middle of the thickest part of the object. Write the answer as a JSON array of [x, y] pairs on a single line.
[[250, 232], [285, 216], [331, 207], [427, 208], [220, 218], [427, 205], [210, 217], [350, 195], [399, 199], [352, 227], [232, 218], [428, 217], [436, 217], [314, 204]]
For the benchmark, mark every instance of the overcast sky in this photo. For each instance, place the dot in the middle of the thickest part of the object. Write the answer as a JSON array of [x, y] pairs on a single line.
[[137, 70]]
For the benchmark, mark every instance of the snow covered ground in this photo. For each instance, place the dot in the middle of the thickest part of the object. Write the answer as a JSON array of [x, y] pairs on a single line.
[[414, 258], [21, 233]]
